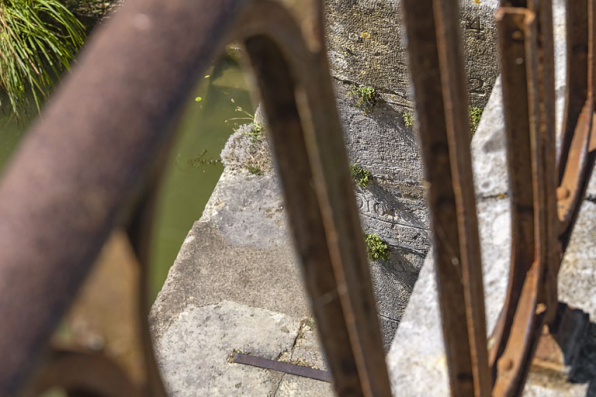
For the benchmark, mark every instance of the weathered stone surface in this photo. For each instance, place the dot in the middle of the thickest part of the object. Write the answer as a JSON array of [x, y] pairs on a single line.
[[417, 359], [236, 285], [193, 353], [392, 205], [367, 46], [239, 251]]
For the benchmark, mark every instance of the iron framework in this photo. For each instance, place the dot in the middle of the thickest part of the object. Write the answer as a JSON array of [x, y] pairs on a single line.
[[92, 161]]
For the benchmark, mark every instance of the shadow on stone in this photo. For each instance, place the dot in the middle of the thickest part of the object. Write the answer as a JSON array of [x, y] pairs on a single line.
[[586, 366]]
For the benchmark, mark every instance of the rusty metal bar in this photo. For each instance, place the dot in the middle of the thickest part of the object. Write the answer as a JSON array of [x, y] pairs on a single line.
[[576, 25], [323, 138], [510, 22], [577, 161], [278, 89], [436, 64], [86, 154], [522, 317], [455, 96], [543, 92], [335, 192], [279, 366]]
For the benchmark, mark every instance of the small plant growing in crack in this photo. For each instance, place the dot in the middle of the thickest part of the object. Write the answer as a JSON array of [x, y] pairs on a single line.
[[254, 170], [376, 248], [361, 176], [408, 119], [475, 116], [366, 97]]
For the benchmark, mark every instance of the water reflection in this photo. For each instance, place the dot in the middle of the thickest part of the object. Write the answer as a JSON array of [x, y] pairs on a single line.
[[194, 167]]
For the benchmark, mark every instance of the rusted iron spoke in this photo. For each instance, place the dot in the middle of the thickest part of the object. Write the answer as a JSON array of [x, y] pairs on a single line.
[[455, 97], [335, 190], [578, 154], [517, 332], [577, 25], [278, 88], [511, 24], [436, 61], [87, 154], [542, 94]]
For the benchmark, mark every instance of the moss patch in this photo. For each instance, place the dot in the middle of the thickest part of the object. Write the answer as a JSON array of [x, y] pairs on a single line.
[[376, 248], [475, 116], [361, 176], [254, 170]]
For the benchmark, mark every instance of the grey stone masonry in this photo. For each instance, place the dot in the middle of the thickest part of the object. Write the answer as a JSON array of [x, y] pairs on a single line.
[[417, 357], [366, 48]]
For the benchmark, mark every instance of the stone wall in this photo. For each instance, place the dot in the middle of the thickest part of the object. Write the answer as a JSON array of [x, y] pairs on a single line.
[[367, 46], [367, 49]]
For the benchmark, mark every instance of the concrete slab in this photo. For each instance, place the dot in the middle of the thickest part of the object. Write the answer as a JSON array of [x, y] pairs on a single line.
[[194, 352]]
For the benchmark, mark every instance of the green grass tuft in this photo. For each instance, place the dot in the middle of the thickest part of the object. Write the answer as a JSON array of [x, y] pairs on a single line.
[[376, 248], [38, 40], [255, 133], [254, 170]]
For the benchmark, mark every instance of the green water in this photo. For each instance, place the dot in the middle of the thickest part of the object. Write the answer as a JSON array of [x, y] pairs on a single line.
[[194, 167], [189, 181]]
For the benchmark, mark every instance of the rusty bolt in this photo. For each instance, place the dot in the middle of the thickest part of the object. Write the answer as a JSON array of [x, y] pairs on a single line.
[[562, 193], [505, 364]]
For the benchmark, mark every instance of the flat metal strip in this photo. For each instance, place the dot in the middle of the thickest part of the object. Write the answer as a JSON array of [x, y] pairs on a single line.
[[280, 366]]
